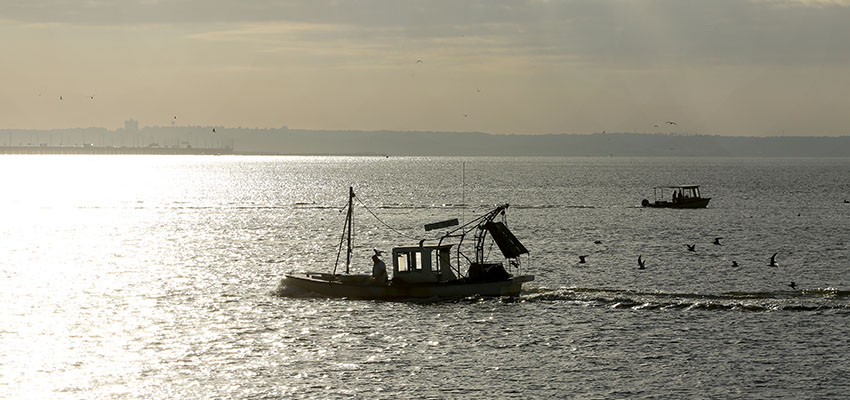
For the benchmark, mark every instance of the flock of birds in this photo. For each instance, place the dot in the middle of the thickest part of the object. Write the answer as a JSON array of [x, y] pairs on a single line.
[[478, 90], [582, 259], [668, 123]]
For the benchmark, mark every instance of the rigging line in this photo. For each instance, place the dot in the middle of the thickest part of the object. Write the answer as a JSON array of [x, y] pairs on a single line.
[[384, 223], [471, 225], [341, 240]]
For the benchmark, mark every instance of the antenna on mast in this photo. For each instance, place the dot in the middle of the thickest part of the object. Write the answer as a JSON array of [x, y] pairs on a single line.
[[463, 192]]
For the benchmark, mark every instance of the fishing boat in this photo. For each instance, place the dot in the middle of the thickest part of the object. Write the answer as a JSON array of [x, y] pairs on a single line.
[[425, 270], [681, 196]]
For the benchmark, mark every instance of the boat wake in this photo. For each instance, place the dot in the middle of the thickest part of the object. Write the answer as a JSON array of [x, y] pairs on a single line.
[[819, 299], [786, 300]]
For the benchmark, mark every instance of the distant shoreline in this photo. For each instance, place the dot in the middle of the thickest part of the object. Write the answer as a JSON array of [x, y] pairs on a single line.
[[44, 150], [242, 141], [220, 152]]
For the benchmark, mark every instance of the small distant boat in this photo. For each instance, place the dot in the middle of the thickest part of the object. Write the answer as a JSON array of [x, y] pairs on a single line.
[[681, 196], [425, 270]]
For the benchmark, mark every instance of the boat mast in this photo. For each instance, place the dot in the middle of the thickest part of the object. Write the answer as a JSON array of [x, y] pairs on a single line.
[[348, 221]]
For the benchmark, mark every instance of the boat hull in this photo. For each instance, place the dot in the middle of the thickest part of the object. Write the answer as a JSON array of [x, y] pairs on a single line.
[[361, 287], [695, 203]]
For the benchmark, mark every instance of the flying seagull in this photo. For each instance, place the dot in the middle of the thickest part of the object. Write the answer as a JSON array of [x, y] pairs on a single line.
[[419, 61], [691, 247], [641, 263], [655, 126], [717, 241], [672, 123], [581, 259], [773, 261]]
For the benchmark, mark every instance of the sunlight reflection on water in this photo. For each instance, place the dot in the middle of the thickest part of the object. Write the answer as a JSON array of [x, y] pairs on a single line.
[[147, 276]]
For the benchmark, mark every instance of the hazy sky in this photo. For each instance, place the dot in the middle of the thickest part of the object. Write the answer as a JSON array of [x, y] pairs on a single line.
[[743, 67]]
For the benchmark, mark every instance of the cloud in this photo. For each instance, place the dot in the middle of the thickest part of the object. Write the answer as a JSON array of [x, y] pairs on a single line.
[[809, 3], [617, 33]]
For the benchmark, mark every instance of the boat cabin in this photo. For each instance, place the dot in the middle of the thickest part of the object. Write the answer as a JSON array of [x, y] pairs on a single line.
[[680, 192], [682, 196], [422, 264]]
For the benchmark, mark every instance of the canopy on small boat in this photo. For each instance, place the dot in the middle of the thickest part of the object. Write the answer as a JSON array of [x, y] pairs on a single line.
[[678, 187]]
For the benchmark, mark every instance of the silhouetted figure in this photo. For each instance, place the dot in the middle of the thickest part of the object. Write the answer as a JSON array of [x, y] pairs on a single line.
[[641, 263], [581, 259], [793, 285], [597, 242], [379, 269], [717, 241], [734, 264], [691, 247], [773, 261]]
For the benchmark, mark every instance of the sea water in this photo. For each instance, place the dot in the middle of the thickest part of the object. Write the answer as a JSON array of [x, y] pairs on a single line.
[[159, 277]]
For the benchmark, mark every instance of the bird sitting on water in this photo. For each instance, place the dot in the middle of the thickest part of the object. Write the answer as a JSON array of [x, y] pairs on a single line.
[[793, 285], [773, 261], [734, 264], [581, 259], [691, 247], [641, 263], [717, 241], [597, 242]]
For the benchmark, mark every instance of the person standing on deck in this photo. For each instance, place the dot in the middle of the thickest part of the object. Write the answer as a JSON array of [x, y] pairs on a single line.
[[379, 269]]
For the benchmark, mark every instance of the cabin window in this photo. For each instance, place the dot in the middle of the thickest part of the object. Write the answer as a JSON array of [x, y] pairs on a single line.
[[401, 260], [435, 261], [418, 264]]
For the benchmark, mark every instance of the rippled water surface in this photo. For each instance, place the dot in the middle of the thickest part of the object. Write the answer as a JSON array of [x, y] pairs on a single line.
[[158, 277]]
